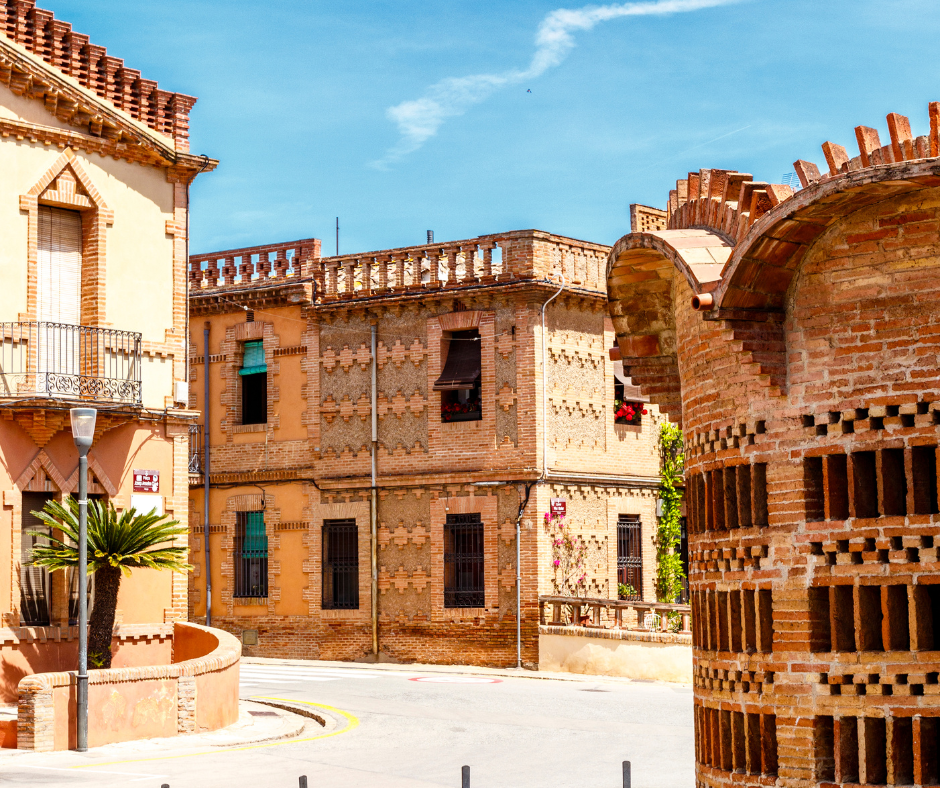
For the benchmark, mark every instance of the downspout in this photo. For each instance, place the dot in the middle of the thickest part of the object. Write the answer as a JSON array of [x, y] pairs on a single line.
[[373, 507], [205, 471]]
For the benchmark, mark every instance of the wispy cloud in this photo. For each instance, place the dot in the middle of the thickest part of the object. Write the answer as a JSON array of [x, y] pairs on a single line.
[[420, 119]]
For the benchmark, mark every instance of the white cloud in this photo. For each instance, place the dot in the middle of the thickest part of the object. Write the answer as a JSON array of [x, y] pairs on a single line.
[[420, 119]]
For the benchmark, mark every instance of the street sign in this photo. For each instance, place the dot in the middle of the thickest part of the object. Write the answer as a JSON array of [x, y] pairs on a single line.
[[559, 506], [146, 481]]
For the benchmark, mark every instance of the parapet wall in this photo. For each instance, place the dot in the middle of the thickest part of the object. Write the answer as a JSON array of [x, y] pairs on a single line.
[[195, 692]]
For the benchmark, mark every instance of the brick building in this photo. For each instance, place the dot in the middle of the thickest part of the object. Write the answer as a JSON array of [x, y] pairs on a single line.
[[415, 374], [795, 338], [95, 170]]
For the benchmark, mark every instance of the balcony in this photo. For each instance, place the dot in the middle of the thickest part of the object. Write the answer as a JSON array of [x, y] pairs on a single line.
[[58, 361], [195, 449]]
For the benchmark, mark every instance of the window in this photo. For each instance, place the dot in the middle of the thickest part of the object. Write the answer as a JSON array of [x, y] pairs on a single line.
[[251, 555], [627, 406], [254, 377], [459, 382], [340, 565], [34, 580], [60, 266], [463, 561], [629, 557]]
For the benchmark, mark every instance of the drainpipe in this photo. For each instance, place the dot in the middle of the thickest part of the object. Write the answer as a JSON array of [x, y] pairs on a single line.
[[373, 507], [205, 471]]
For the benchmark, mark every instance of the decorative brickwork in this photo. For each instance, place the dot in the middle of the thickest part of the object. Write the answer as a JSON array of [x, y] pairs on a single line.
[[801, 361]]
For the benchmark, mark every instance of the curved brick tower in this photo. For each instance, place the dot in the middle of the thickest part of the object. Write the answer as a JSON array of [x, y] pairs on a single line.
[[796, 338]]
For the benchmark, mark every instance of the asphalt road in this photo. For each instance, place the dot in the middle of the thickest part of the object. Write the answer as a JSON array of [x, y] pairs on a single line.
[[400, 729]]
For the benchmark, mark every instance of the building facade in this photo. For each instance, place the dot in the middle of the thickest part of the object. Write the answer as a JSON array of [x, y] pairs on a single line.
[[93, 203], [794, 337], [381, 426]]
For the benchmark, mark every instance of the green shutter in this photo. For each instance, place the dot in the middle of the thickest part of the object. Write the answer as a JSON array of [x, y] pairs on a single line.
[[253, 362], [255, 543]]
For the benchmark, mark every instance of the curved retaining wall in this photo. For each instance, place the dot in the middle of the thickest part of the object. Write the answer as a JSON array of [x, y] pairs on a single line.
[[196, 692]]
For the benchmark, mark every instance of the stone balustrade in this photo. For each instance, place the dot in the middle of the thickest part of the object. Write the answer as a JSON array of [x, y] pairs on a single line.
[[253, 265], [612, 613]]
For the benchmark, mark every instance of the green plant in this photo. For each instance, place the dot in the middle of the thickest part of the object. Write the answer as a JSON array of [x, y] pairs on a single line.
[[116, 544], [568, 553], [625, 591], [669, 574]]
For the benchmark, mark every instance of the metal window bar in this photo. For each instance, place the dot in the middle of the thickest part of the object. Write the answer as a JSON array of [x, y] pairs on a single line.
[[340, 565], [630, 554], [195, 448], [463, 561], [250, 555], [40, 358]]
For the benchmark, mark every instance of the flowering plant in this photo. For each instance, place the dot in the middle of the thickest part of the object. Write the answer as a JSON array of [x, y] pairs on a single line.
[[568, 554], [628, 412], [451, 409]]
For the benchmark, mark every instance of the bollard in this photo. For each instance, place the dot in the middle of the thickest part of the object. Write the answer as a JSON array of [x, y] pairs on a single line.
[[303, 781], [465, 777], [626, 774]]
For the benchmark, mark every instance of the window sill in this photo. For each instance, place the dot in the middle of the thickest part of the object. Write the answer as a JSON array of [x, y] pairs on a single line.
[[461, 417], [248, 601], [465, 612], [239, 428]]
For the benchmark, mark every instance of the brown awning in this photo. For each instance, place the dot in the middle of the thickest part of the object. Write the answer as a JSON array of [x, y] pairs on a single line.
[[462, 369]]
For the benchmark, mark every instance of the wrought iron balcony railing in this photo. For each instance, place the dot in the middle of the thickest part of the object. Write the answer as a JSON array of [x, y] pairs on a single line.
[[60, 361], [195, 449]]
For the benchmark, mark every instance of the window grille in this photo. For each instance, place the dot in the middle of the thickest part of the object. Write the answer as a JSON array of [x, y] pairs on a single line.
[[251, 555], [630, 554], [340, 565], [463, 561], [254, 378], [34, 580]]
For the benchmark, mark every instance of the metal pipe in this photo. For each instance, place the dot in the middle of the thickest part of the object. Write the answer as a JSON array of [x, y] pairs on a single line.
[[373, 507], [205, 471], [82, 695]]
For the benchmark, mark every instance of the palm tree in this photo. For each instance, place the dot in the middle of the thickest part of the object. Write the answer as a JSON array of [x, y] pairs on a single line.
[[116, 544]]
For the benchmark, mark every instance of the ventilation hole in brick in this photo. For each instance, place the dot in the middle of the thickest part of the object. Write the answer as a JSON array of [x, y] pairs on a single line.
[[842, 618], [765, 621], [731, 497], [813, 497], [856, 557], [742, 430], [768, 724], [924, 478], [760, 427], [831, 559], [845, 745], [738, 748], [848, 427], [723, 621], [870, 618], [716, 479], [759, 493], [892, 410], [877, 422], [729, 430], [930, 750], [936, 417], [701, 502], [860, 689], [750, 621], [926, 541], [865, 484], [917, 689], [869, 545], [893, 482], [912, 554], [861, 413], [897, 542], [842, 545], [902, 750], [923, 408], [725, 722], [750, 440], [713, 621], [734, 603], [834, 416], [815, 548], [822, 430], [743, 480], [907, 419], [752, 743], [931, 678], [883, 556], [808, 421], [896, 604], [875, 750], [820, 631], [837, 487]]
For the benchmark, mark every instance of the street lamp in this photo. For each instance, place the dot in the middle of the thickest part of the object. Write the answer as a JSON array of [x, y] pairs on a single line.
[[83, 430]]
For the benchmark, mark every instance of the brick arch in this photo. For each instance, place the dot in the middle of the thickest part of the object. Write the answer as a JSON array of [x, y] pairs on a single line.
[[98, 477], [764, 263], [42, 467], [66, 185]]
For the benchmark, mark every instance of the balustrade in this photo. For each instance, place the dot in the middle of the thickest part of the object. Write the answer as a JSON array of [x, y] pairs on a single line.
[[252, 264], [612, 611]]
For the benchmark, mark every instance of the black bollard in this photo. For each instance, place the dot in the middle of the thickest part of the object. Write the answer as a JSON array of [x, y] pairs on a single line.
[[465, 777], [626, 774], [303, 781]]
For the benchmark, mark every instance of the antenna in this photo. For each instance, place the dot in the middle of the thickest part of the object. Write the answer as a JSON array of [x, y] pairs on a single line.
[[792, 180], [337, 236]]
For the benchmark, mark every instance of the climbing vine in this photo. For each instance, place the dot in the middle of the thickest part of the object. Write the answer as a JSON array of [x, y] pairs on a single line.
[[669, 574], [568, 553]]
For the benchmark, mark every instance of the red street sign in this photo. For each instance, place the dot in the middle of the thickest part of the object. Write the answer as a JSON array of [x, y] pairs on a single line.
[[146, 481], [558, 506]]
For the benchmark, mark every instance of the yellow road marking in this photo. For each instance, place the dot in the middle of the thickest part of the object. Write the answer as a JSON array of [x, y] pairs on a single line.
[[352, 723]]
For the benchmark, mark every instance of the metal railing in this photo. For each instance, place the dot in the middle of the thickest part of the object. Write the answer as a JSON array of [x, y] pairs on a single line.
[[615, 614], [195, 449], [57, 360]]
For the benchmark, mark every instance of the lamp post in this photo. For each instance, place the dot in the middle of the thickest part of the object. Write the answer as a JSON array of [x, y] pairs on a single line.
[[83, 430]]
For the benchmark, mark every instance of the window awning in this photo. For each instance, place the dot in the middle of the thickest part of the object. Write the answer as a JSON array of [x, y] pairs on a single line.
[[255, 543], [253, 361], [462, 369]]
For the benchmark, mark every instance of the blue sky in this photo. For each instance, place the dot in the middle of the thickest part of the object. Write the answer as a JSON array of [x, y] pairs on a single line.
[[294, 100]]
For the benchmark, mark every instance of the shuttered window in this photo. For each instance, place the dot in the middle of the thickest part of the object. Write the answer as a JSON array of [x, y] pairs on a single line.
[[251, 555], [60, 266], [34, 580]]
